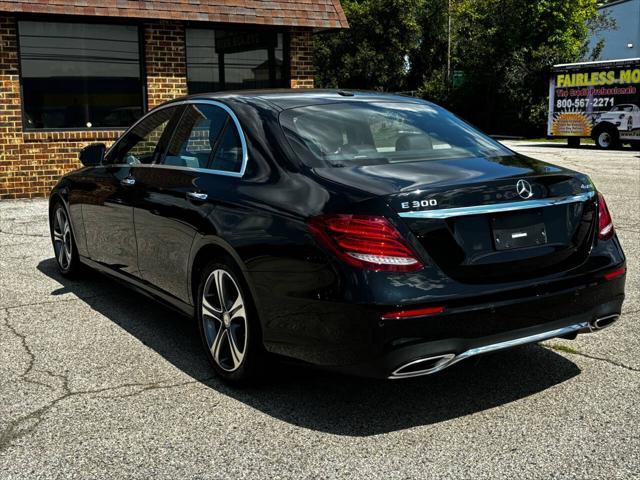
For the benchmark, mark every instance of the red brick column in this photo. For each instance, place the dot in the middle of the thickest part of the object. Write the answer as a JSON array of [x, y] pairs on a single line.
[[10, 117], [301, 47], [165, 59]]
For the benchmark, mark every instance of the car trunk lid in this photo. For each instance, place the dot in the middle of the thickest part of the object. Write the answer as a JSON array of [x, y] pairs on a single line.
[[488, 219]]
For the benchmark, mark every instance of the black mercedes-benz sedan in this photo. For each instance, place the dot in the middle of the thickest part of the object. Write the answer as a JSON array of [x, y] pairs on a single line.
[[372, 234]]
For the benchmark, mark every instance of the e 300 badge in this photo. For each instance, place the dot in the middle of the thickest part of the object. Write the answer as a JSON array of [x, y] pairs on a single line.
[[432, 202]]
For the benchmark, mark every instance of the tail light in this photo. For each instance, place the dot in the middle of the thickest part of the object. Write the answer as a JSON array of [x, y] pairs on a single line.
[[605, 222], [365, 241]]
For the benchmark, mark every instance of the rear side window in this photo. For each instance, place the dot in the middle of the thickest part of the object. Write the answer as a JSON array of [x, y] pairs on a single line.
[[228, 156], [196, 136]]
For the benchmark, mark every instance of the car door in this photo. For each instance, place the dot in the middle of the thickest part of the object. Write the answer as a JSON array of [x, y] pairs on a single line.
[[108, 213], [181, 192]]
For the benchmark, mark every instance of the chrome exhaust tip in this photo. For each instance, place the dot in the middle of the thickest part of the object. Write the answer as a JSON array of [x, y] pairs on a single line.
[[601, 323], [604, 322], [424, 366]]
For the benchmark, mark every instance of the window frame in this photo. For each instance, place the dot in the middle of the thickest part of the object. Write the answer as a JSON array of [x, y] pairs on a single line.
[[85, 21], [226, 108]]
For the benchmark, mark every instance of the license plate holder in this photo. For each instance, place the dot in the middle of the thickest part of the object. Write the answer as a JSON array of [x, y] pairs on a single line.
[[519, 230]]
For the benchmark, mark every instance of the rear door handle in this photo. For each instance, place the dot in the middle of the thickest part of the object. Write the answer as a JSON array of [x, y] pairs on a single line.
[[128, 181], [197, 196]]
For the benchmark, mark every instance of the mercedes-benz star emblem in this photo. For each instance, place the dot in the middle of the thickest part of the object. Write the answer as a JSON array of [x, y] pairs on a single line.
[[524, 189]]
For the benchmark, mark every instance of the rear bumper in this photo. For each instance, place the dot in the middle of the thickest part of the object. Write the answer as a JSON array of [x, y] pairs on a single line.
[[352, 338], [426, 358]]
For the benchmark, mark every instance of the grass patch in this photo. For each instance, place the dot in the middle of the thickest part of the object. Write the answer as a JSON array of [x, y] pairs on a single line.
[[565, 349]]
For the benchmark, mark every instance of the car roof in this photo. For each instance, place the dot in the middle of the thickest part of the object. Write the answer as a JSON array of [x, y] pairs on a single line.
[[283, 99]]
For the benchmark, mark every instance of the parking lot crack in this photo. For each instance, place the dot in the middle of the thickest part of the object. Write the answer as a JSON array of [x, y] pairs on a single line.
[[31, 357], [28, 423], [47, 302], [24, 234], [593, 357]]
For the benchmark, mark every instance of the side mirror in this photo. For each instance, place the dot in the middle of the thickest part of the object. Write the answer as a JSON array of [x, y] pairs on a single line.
[[93, 154]]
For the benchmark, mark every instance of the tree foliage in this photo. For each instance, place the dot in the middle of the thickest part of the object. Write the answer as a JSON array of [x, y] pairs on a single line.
[[372, 52], [502, 51], [506, 49]]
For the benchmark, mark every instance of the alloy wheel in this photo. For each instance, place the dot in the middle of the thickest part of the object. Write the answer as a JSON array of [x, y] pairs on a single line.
[[224, 320], [62, 240]]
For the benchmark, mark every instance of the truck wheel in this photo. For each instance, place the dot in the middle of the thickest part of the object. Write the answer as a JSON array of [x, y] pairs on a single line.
[[573, 142], [607, 138]]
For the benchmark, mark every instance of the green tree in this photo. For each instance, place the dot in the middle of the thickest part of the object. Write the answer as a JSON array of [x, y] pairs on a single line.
[[502, 52], [373, 52], [505, 49], [428, 57]]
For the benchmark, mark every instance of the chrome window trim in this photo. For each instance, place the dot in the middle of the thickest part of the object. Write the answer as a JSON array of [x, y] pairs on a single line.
[[225, 173], [498, 207]]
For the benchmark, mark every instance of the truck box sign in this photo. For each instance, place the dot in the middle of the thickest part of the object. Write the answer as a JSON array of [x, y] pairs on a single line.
[[587, 98]]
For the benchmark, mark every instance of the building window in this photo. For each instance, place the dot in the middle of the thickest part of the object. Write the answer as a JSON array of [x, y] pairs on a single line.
[[77, 75], [234, 59]]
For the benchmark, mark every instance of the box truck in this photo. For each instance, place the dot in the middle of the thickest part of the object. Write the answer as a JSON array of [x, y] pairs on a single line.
[[598, 100]]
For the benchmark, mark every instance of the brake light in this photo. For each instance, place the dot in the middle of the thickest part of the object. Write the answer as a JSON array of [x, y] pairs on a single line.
[[605, 222], [418, 312], [365, 241]]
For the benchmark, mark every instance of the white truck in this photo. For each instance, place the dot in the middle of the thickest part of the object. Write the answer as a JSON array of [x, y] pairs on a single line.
[[600, 100]]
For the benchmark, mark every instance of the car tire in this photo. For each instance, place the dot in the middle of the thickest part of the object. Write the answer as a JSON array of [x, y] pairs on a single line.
[[64, 243], [228, 323], [606, 137]]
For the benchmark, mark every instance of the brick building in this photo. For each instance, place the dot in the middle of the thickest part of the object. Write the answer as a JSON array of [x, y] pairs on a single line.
[[74, 72]]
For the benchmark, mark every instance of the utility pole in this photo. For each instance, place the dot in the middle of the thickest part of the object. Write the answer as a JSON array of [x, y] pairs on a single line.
[[449, 45]]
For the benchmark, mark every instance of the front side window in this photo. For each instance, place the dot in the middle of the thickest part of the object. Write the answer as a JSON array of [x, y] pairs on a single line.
[[206, 137], [77, 75], [140, 144], [234, 59], [350, 134]]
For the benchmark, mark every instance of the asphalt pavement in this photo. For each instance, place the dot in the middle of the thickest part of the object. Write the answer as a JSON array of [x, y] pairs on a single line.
[[99, 382]]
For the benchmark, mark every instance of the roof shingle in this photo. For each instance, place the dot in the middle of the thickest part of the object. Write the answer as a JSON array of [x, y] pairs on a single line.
[[299, 13]]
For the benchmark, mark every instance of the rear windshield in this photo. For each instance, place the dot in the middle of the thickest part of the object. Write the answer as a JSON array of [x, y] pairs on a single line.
[[351, 134]]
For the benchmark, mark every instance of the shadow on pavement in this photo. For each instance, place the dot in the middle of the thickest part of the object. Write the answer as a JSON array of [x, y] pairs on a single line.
[[323, 401]]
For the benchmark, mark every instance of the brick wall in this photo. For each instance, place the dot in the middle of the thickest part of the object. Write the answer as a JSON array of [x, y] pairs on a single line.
[[32, 162], [165, 59], [301, 48]]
